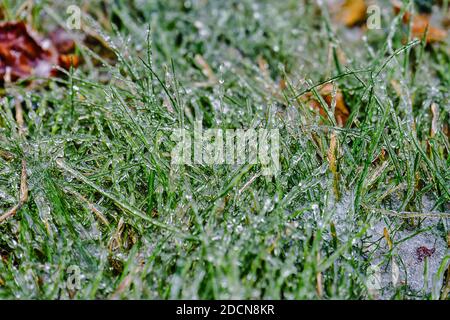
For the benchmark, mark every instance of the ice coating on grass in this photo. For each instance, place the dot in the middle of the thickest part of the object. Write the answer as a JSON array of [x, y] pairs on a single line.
[[406, 257], [420, 275], [407, 251]]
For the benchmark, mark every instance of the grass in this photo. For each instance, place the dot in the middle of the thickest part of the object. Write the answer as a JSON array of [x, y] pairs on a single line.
[[103, 196]]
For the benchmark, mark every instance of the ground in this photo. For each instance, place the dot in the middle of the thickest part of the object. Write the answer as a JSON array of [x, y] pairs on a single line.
[[108, 215]]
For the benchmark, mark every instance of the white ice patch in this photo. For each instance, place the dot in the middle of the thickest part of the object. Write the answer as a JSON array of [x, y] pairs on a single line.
[[405, 254]]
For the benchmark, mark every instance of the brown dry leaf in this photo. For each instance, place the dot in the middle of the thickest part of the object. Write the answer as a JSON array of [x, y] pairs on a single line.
[[387, 238], [65, 46], [68, 60], [420, 25], [282, 84], [332, 153], [332, 159], [341, 111], [23, 53], [352, 12]]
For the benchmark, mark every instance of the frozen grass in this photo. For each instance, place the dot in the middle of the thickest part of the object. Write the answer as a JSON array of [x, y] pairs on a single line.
[[104, 197]]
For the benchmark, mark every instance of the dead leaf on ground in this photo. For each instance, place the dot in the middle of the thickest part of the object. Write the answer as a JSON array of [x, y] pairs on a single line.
[[351, 12], [282, 84], [332, 151], [67, 60], [65, 45], [420, 25], [387, 237], [23, 53], [341, 111]]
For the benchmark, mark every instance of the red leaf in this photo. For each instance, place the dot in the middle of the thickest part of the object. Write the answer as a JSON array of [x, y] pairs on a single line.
[[23, 53]]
